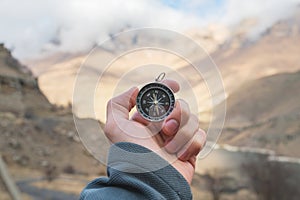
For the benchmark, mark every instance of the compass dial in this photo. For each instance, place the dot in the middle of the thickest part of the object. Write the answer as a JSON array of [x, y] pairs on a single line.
[[155, 101]]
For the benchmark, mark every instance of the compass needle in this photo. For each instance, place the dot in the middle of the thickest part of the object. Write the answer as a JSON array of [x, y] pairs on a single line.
[[157, 110]]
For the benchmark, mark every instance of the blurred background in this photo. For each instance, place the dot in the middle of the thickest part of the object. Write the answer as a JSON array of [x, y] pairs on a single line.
[[255, 44]]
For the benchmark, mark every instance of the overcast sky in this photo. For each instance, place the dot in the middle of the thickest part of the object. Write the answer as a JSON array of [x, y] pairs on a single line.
[[33, 27]]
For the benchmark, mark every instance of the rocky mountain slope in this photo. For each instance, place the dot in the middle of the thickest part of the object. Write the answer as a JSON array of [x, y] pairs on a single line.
[[265, 113], [241, 59], [37, 138]]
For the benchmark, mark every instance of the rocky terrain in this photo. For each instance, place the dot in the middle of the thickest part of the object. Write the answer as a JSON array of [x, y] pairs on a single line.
[[265, 113], [37, 139]]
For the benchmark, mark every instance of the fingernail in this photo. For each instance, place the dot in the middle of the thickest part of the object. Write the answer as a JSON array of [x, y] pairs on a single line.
[[172, 126]]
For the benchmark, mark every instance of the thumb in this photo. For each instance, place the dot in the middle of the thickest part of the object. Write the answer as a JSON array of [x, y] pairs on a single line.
[[120, 106]]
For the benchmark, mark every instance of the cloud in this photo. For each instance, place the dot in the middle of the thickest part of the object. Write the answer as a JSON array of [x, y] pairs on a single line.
[[267, 12], [33, 27]]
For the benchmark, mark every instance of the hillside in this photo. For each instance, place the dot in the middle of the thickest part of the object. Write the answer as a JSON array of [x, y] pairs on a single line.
[[37, 139], [265, 113], [241, 59]]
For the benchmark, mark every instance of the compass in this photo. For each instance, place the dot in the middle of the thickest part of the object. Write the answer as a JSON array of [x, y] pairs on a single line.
[[155, 101]]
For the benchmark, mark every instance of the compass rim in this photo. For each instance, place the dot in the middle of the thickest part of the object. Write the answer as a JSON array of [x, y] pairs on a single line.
[[159, 86]]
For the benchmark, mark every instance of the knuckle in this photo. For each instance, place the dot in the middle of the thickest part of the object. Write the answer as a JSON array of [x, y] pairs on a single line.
[[184, 111], [184, 106], [202, 137], [109, 128], [195, 119], [192, 125], [203, 134], [198, 147], [108, 105]]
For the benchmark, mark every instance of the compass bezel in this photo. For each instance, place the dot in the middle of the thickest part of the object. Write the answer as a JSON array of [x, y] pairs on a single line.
[[155, 86]]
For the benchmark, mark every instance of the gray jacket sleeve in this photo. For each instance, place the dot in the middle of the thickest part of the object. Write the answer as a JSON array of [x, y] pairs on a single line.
[[135, 172]]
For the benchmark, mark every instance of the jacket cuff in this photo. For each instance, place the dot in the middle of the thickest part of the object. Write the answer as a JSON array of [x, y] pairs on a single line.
[[148, 167]]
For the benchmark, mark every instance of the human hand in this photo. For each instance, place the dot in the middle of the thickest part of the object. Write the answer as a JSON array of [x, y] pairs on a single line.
[[179, 134]]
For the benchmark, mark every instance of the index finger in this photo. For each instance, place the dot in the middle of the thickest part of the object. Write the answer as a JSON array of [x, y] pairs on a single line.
[[172, 84]]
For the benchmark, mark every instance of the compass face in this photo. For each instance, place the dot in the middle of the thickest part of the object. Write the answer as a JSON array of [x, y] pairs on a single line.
[[155, 101]]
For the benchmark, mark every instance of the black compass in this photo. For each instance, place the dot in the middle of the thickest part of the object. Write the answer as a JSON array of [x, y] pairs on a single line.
[[155, 101]]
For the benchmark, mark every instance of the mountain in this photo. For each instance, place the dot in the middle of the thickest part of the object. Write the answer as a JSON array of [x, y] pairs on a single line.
[[37, 138], [265, 113], [19, 91], [239, 58]]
